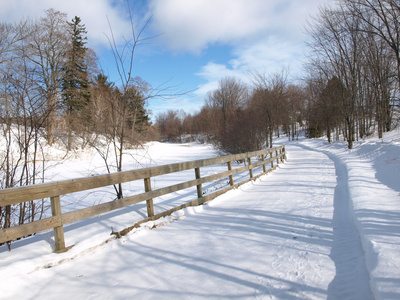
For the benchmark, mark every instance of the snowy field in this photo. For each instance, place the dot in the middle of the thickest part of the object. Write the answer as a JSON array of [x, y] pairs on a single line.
[[326, 224]]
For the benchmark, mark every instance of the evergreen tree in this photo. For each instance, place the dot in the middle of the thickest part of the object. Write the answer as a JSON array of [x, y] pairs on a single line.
[[137, 118], [75, 86]]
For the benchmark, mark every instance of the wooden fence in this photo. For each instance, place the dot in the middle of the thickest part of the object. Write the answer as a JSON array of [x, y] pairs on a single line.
[[54, 190]]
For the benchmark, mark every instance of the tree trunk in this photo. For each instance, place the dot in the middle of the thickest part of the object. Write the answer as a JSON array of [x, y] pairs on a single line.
[[51, 120]]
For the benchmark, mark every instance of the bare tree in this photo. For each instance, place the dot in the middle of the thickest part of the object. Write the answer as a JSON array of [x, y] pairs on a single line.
[[382, 19], [335, 45], [325, 111], [295, 109], [230, 95], [120, 118], [170, 125], [269, 101], [22, 118], [125, 105], [225, 107], [380, 85], [46, 46], [10, 36]]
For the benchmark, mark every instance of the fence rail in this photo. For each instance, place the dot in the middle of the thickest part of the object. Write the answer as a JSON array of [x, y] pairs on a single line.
[[54, 190]]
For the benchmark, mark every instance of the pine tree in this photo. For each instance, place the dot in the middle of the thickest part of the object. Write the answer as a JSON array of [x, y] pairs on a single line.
[[137, 118], [75, 83]]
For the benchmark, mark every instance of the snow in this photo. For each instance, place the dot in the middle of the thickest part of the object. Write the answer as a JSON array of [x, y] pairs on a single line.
[[326, 224]]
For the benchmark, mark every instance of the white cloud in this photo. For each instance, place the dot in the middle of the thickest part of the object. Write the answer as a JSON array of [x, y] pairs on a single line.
[[265, 57], [265, 35], [195, 24], [191, 25], [212, 73], [269, 55], [92, 12]]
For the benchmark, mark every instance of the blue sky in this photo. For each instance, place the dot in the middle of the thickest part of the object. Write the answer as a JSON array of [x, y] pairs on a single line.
[[198, 41]]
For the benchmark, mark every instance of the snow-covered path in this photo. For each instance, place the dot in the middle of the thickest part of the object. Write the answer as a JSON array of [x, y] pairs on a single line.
[[352, 278], [289, 235]]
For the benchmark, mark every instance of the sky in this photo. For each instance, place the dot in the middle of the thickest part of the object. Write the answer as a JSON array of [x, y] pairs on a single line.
[[189, 44]]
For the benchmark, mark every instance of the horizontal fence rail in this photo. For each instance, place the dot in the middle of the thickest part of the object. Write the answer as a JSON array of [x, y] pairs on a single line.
[[55, 190]]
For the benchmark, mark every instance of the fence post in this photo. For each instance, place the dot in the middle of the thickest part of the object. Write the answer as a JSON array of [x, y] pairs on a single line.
[[277, 158], [283, 150], [59, 230], [272, 161], [263, 159], [231, 183], [199, 188], [250, 167], [149, 202]]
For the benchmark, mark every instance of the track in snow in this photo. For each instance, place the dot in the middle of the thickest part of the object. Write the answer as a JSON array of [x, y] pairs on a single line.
[[352, 278]]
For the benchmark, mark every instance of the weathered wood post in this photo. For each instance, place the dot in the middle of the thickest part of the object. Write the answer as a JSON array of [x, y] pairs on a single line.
[[199, 188], [149, 202], [59, 230], [277, 157], [231, 183], [283, 151], [250, 167], [263, 159], [272, 161]]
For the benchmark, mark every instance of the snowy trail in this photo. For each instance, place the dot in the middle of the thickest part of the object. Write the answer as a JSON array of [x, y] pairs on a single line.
[[352, 278], [277, 238], [373, 172]]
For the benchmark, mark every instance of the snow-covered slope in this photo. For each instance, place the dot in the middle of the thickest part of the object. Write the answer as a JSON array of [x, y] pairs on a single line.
[[326, 224]]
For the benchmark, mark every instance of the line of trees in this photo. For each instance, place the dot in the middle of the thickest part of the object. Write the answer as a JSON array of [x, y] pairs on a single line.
[[354, 68], [237, 118], [51, 89], [350, 88]]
